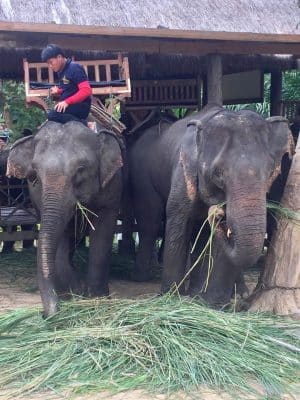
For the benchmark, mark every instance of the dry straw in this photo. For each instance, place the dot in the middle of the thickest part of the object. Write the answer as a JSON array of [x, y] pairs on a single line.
[[160, 344]]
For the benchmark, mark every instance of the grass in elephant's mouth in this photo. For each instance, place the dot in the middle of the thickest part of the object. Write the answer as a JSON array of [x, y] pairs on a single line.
[[161, 344], [84, 213]]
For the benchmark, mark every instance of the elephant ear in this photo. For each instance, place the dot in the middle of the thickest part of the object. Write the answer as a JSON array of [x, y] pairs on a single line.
[[20, 158], [111, 159], [188, 156], [280, 138]]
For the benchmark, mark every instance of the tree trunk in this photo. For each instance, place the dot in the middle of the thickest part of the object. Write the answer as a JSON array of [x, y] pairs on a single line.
[[279, 291]]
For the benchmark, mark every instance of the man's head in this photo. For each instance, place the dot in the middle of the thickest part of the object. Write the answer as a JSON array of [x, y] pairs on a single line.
[[54, 56]]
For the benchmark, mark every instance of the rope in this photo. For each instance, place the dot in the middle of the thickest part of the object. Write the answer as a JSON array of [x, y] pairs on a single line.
[[107, 120]]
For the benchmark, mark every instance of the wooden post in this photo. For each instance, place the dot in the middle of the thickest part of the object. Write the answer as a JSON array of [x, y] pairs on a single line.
[[199, 87], [279, 290], [214, 79], [204, 91], [275, 93]]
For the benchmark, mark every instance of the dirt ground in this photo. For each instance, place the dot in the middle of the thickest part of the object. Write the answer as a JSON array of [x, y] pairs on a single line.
[[18, 288]]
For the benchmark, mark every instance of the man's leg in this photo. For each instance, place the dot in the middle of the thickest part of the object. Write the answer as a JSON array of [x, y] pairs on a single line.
[[75, 112], [79, 110], [61, 117]]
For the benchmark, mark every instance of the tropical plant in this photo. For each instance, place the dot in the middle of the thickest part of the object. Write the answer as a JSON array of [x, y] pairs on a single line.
[[13, 104]]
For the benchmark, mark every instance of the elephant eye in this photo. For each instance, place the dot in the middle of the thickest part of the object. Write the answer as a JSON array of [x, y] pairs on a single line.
[[217, 177], [79, 176]]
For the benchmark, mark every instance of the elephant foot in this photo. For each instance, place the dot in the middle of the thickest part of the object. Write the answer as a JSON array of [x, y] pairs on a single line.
[[141, 275], [66, 289], [50, 307], [214, 298], [241, 289]]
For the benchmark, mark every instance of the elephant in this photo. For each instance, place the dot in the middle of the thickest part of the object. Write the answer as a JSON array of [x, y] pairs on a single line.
[[66, 165], [179, 171]]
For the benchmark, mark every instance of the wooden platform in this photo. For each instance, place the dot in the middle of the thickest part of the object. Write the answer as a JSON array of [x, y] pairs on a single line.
[[12, 216]]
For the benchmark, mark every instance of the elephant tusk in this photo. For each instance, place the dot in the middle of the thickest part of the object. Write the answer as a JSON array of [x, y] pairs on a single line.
[[229, 233]]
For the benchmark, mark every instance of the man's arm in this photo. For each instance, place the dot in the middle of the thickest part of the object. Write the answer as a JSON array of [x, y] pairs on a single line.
[[84, 91]]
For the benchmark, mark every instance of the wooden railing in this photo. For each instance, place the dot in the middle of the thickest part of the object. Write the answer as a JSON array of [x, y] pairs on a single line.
[[167, 93]]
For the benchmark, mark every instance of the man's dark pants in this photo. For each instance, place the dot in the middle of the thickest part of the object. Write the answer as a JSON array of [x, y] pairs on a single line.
[[74, 112]]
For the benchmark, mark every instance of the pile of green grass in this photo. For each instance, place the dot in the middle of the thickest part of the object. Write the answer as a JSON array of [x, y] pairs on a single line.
[[160, 344]]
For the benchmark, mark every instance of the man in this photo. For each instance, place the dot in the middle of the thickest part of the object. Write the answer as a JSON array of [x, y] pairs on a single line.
[[74, 90]]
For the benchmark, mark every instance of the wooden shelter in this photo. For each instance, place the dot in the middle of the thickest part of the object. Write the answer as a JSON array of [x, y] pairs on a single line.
[[178, 50], [179, 53]]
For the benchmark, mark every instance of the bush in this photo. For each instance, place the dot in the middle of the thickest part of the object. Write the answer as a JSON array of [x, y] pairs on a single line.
[[12, 101]]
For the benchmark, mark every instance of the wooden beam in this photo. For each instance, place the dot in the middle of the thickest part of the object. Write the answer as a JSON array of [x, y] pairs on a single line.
[[147, 32], [21, 235], [165, 41], [171, 46], [214, 79]]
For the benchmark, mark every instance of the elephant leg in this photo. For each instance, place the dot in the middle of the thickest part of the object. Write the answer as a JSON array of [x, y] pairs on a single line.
[[100, 252], [213, 279], [149, 218], [217, 282], [177, 238], [240, 287], [66, 277]]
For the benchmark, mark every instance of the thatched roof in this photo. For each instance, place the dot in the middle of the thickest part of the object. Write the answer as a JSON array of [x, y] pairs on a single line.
[[258, 16], [164, 38]]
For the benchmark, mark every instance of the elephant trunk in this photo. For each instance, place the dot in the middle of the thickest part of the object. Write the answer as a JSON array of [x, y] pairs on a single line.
[[53, 223], [245, 225]]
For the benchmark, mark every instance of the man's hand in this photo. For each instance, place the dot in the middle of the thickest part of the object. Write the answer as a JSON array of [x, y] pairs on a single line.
[[61, 106], [54, 90]]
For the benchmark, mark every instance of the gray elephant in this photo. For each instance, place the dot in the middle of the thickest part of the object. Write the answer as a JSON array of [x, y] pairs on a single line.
[[178, 171], [66, 165]]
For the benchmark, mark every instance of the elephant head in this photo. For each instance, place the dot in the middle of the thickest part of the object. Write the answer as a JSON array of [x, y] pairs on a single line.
[[64, 164], [234, 159]]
